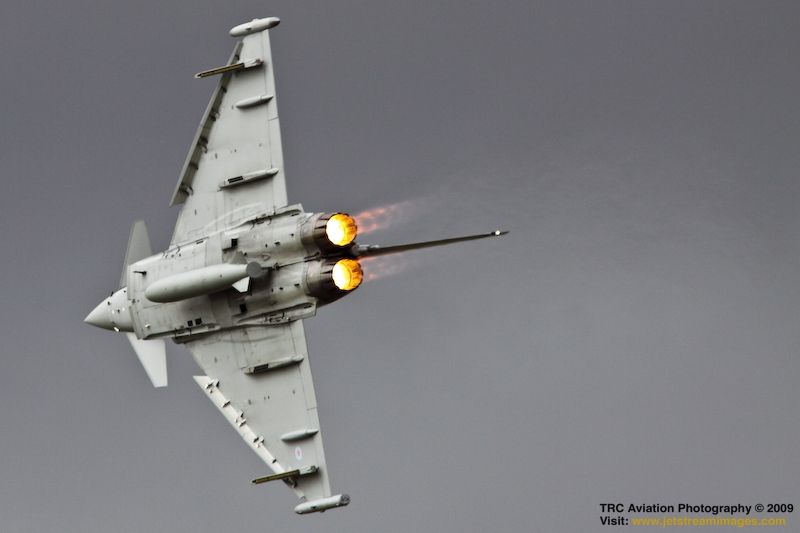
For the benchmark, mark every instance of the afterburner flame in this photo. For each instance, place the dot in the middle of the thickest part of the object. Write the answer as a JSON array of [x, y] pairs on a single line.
[[347, 274], [341, 229], [383, 216], [377, 268]]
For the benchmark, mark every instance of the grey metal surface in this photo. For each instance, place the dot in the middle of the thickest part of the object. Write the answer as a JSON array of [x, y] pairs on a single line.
[[231, 143], [273, 402]]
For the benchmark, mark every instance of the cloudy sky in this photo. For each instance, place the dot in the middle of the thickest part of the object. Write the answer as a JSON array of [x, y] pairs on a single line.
[[635, 338]]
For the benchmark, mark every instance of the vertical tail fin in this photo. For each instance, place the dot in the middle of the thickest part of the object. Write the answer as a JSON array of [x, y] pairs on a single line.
[[138, 248]]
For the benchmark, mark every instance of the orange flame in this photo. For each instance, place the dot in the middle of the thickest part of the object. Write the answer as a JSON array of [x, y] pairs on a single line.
[[383, 216], [376, 268], [347, 274]]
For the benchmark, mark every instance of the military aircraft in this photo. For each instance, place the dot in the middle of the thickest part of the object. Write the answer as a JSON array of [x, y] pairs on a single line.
[[242, 271]]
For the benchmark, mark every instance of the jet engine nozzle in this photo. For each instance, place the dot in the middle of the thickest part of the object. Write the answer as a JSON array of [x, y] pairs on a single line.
[[332, 279], [330, 232]]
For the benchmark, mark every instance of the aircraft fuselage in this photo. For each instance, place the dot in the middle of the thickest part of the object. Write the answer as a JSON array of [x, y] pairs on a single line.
[[268, 269]]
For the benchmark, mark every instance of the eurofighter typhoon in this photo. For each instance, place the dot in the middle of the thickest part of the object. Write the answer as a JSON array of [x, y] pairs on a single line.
[[243, 269]]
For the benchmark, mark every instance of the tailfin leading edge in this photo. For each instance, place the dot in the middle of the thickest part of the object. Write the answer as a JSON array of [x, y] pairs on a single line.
[[138, 248]]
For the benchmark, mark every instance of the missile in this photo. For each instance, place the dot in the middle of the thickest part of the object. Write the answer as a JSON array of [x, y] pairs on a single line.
[[201, 281]]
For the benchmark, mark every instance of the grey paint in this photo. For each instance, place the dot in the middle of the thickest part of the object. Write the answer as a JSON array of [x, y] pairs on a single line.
[[643, 153], [242, 272]]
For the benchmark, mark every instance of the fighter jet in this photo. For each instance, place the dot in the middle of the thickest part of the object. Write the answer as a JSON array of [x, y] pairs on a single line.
[[243, 270]]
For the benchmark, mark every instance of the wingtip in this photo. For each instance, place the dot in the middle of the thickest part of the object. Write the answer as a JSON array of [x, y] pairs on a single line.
[[255, 25], [499, 232], [323, 504]]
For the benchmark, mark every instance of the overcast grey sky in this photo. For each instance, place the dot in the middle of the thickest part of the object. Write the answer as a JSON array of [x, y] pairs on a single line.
[[635, 338]]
